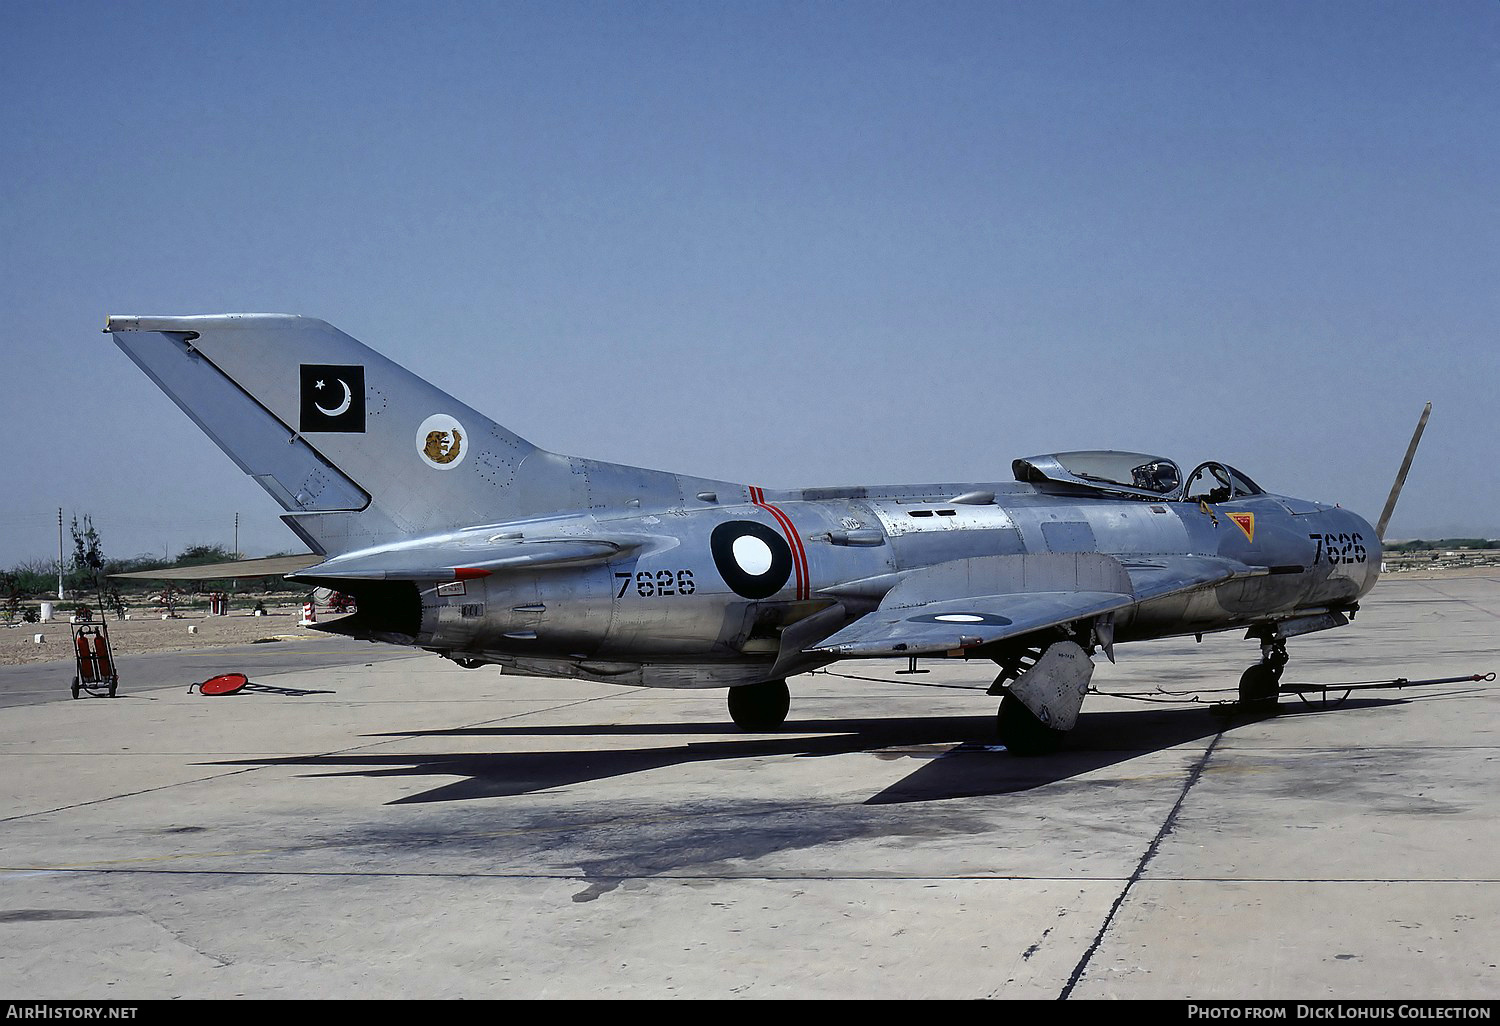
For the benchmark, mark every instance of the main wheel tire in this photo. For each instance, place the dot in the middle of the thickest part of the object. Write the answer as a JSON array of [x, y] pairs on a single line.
[[1260, 686], [1022, 733], [759, 707]]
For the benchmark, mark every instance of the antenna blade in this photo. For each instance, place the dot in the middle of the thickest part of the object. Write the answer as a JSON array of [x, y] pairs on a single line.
[[1411, 450]]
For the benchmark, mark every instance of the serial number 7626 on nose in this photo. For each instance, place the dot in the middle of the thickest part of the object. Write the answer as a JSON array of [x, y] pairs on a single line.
[[1339, 548], [660, 583]]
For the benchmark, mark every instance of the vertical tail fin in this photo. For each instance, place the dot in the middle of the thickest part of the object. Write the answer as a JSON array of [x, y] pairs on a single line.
[[358, 450]]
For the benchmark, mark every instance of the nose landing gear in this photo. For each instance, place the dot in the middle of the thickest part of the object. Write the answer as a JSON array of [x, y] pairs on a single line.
[[1260, 685]]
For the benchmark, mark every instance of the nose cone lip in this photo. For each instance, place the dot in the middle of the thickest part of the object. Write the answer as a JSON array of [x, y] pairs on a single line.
[[1373, 551]]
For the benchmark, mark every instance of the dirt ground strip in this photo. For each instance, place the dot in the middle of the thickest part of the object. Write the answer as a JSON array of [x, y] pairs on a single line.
[[148, 632]]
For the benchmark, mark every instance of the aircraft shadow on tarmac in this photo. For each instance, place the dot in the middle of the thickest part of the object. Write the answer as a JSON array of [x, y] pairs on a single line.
[[954, 756]]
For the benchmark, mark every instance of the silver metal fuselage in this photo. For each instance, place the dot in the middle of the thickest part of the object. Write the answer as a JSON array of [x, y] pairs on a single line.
[[666, 616], [455, 534]]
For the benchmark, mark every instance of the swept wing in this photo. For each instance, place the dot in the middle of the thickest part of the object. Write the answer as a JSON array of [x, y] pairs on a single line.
[[969, 602]]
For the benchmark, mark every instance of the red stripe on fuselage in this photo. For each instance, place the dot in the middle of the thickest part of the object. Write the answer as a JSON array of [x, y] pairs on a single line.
[[799, 555]]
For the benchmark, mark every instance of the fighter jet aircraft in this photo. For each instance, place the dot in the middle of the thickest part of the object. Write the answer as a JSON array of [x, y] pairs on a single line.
[[457, 536]]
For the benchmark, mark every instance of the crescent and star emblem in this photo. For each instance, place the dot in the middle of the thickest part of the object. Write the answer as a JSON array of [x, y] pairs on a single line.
[[320, 382], [342, 407]]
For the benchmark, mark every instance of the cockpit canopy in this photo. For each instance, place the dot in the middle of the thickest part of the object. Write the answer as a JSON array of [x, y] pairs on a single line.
[[1135, 475]]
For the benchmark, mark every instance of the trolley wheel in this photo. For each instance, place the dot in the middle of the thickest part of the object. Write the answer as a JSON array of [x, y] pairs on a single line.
[[112, 685], [75, 687]]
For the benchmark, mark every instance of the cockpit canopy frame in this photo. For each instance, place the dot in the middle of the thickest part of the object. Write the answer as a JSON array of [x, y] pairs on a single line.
[[1134, 475]]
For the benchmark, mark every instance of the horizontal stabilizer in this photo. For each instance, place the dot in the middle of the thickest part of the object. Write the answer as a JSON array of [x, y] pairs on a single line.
[[447, 561], [268, 566]]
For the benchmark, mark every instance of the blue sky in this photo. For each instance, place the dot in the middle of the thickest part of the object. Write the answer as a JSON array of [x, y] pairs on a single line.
[[791, 244]]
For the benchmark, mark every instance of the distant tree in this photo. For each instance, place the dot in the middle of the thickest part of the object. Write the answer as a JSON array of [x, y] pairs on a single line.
[[36, 577], [133, 564], [1424, 544], [10, 594], [198, 555], [88, 557]]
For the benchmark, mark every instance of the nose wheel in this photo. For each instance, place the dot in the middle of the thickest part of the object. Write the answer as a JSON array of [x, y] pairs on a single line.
[[1260, 685]]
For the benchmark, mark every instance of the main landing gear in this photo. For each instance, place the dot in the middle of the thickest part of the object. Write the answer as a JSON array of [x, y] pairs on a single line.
[[1041, 691], [1022, 733], [757, 708]]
